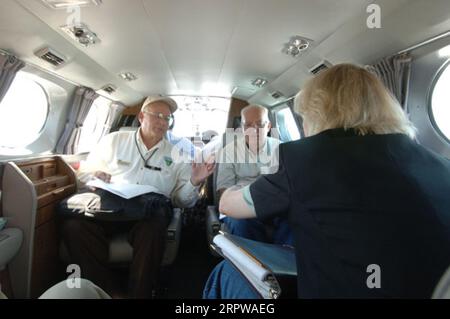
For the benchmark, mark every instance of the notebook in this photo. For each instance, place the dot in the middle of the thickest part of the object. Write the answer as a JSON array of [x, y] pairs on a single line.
[[126, 191]]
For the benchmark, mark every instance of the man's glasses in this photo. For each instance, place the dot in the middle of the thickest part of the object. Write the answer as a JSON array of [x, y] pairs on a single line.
[[167, 118], [254, 125]]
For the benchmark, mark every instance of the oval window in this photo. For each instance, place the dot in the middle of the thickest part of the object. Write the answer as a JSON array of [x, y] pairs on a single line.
[[440, 102], [23, 112]]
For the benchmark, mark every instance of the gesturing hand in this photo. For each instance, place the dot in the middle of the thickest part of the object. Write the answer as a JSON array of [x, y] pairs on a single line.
[[200, 171]]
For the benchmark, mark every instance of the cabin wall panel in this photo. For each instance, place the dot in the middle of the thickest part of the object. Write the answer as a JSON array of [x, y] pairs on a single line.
[[236, 106]]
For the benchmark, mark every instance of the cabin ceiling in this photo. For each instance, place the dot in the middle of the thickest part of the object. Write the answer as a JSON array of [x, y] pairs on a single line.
[[214, 47]]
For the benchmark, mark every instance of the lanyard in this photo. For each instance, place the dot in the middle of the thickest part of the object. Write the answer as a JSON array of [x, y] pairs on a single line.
[[146, 165]]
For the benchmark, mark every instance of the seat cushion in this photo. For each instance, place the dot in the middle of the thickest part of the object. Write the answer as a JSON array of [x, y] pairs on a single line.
[[120, 250]]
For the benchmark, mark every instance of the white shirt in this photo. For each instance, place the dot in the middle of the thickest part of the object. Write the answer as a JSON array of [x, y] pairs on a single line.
[[240, 166], [117, 154]]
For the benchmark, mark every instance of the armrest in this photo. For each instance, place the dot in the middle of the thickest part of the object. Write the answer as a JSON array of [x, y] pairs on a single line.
[[212, 220], [213, 226], [10, 242], [175, 225], [173, 237]]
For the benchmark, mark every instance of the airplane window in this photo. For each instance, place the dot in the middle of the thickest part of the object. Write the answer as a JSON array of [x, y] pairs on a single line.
[[93, 125], [440, 103], [23, 112], [287, 125], [196, 115]]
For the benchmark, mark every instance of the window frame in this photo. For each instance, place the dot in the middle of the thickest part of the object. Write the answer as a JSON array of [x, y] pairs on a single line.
[[281, 106], [430, 112], [110, 102]]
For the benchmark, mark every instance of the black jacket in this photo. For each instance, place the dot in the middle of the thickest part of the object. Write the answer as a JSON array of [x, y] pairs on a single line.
[[358, 202]]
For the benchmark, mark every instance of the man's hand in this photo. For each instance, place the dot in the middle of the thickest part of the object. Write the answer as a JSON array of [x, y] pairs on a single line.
[[103, 176], [200, 171]]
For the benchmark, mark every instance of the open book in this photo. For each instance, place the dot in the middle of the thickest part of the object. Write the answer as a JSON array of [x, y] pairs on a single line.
[[126, 191], [260, 263]]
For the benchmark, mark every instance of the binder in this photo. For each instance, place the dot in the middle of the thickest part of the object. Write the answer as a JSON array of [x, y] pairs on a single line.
[[267, 267]]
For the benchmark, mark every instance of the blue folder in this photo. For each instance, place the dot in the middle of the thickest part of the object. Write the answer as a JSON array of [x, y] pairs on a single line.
[[280, 260]]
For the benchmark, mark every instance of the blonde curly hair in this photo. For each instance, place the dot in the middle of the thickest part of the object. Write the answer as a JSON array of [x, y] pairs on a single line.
[[348, 96]]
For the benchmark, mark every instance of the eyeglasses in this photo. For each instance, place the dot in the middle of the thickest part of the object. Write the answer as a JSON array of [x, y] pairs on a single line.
[[167, 118], [254, 125]]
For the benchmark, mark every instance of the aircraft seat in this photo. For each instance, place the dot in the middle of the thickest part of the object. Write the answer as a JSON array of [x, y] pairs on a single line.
[[121, 252]]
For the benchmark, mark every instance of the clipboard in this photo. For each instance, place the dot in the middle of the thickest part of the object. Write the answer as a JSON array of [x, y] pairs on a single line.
[[262, 265]]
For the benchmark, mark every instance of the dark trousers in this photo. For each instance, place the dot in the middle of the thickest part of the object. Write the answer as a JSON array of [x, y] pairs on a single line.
[[87, 241]]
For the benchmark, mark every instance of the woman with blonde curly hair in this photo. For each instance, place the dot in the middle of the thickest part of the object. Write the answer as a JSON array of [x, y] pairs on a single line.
[[350, 97], [368, 206]]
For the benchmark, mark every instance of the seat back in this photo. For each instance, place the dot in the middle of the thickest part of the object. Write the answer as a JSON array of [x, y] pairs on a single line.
[[213, 223]]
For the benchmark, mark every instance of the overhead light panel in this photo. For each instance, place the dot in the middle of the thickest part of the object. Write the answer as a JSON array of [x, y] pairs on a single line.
[[128, 76], [259, 82], [322, 66], [64, 4], [296, 45], [276, 94], [82, 34], [51, 56]]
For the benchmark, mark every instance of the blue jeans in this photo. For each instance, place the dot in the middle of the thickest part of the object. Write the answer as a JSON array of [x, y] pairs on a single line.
[[255, 230], [225, 282]]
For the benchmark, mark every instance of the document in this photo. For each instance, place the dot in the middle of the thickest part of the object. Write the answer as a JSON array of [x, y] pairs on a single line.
[[126, 191]]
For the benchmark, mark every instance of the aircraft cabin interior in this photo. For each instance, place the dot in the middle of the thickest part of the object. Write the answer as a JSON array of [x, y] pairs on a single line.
[[74, 73]]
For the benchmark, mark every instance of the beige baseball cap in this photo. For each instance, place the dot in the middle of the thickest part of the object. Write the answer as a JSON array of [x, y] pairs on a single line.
[[152, 99]]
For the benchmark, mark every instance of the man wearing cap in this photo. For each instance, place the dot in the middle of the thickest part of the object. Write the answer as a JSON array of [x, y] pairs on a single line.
[[144, 157]]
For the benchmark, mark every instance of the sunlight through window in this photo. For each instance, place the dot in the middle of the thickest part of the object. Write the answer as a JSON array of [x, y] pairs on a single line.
[[287, 125], [196, 115], [94, 125], [23, 112], [440, 103]]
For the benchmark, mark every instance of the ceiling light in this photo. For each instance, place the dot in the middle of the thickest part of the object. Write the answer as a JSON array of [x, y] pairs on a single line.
[[81, 34], [128, 76], [296, 45], [63, 4], [259, 82]]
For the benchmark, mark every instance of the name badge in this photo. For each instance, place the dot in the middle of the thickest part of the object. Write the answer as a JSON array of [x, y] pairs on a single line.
[[121, 162]]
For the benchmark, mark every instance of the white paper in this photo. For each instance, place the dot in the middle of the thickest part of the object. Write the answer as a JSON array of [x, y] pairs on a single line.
[[251, 269], [126, 191], [236, 253]]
